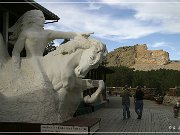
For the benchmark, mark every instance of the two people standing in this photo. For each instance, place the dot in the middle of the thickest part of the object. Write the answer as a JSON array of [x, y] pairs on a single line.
[[138, 100]]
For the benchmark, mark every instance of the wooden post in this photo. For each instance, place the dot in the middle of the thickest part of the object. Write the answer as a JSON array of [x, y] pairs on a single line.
[[5, 26], [104, 78]]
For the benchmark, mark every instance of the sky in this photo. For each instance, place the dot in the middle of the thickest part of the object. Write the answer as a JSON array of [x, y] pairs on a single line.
[[120, 23]]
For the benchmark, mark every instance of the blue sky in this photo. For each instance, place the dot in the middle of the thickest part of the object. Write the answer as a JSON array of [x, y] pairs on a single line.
[[120, 23]]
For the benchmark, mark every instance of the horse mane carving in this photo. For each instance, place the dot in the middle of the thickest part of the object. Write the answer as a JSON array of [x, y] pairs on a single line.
[[79, 42]]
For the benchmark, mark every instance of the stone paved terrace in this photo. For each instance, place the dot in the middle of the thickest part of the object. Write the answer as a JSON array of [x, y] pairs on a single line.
[[156, 118]]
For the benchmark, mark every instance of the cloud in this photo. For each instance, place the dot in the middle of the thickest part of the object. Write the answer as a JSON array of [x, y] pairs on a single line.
[[58, 42], [51, 27], [163, 13], [79, 17], [159, 44], [163, 44], [147, 18], [93, 6]]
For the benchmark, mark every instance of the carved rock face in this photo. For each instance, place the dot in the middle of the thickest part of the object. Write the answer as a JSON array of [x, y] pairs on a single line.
[[138, 55]]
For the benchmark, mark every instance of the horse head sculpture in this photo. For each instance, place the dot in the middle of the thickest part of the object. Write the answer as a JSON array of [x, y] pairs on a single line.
[[91, 58]]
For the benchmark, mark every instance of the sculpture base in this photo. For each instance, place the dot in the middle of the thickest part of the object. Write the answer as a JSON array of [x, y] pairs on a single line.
[[75, 125]]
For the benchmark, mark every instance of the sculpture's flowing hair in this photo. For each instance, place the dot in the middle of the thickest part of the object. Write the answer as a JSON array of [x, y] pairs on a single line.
[[79, 42], [23, 22]]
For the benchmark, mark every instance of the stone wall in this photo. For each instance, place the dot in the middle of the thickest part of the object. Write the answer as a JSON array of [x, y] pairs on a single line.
[[170, 100]]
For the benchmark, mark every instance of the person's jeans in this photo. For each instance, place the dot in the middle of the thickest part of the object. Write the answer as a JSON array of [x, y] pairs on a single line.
[[176, 113], [139, 107], [126, 106]]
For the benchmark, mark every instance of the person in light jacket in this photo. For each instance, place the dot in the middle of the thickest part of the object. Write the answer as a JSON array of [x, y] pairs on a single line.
[[125, 94]]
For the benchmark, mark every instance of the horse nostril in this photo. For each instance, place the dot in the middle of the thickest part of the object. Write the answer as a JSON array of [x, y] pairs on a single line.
[[78, 70]]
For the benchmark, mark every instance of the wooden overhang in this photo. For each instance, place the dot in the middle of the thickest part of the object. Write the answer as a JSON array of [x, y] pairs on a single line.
[[11, 10], [16, 8]]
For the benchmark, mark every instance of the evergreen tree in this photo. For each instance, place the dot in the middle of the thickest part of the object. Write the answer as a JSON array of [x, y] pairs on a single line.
[[49, 48], [161, 79]]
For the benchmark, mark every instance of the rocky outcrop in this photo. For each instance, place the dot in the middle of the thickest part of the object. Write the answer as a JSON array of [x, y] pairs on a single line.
[[140, 58], [158, 57], [123, 56], [170, 100]]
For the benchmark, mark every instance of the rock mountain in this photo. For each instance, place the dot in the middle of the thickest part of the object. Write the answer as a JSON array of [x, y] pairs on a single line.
[[140, 58]]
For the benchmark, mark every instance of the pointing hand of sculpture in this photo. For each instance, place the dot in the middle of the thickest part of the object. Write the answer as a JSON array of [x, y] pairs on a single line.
[[87, 34]]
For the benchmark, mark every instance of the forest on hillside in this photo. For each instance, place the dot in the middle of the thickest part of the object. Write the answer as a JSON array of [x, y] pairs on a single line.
[[161, 79]]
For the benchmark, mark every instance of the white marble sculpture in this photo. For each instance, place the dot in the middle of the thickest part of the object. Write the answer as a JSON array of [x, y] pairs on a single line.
[[28, 32], [46, 89]]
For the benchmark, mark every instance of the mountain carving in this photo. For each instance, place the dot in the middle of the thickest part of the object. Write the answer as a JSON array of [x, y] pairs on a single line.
[[140, 58]]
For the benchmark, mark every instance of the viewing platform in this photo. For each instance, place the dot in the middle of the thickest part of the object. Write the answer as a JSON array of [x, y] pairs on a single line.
[[157, 118]]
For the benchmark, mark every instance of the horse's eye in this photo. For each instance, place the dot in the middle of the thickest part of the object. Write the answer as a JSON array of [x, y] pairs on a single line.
[[92, 57]]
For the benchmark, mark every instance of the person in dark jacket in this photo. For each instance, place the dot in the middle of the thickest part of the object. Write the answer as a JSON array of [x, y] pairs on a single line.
[[125, 94], [176, 109], [138, 100]]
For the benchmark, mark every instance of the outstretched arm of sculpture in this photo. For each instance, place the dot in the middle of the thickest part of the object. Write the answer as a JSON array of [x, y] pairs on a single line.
[[18, 47], [92, 84], [66, 35]]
